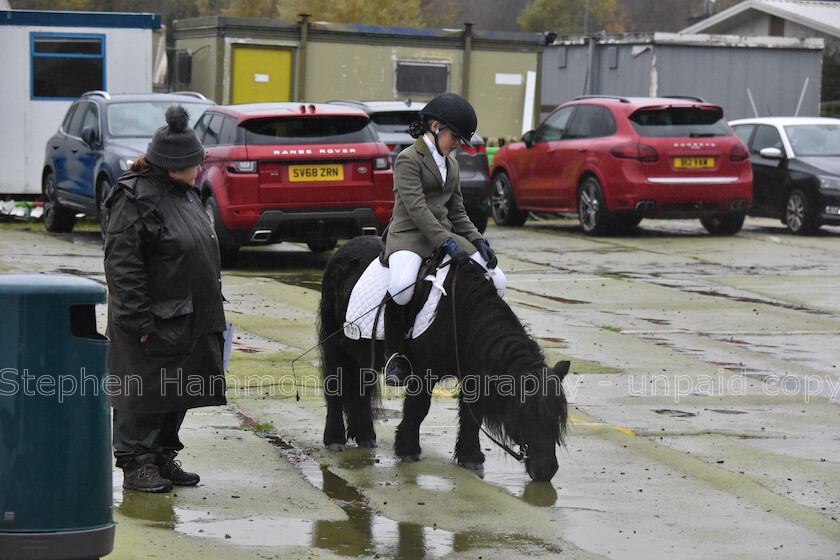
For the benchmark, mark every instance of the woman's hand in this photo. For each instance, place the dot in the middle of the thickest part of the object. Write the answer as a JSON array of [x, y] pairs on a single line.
[[486, 252], [459, 256]]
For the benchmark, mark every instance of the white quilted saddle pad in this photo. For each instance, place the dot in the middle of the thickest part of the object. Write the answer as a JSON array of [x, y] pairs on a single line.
[[368, 294]]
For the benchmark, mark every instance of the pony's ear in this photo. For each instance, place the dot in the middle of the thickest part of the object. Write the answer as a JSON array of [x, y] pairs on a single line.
[[562, 368]]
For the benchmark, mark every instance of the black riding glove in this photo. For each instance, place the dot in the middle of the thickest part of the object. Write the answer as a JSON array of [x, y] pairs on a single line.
[[459, 256], [486, 252]]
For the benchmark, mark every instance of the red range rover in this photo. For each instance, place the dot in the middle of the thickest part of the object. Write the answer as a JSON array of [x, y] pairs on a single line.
[[309, 173]]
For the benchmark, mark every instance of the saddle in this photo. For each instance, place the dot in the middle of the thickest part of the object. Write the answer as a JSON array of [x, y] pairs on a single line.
[[364, 318]]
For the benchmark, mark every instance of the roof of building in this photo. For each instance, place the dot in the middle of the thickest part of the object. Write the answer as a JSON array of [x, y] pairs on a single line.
[[821, 16], [44, 18]]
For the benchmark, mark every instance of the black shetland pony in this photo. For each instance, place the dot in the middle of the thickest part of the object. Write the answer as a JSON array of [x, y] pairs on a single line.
[[505, 382]]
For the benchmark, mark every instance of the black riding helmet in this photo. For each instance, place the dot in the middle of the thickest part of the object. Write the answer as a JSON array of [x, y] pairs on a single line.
[[453, 112]]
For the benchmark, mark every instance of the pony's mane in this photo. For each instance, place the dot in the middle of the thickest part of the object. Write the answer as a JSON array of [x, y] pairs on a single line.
[[498, 344]]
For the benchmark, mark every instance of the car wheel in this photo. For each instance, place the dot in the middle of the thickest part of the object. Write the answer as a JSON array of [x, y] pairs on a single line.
[[800, 213], [478, 216], [103, 186], [321, 245], [724, 224], [57, 218], [227, 251], [592, 211], [504, 204], [625, 223]]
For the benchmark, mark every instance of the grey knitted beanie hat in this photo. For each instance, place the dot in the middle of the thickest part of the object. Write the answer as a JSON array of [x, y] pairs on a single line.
[[175, 146]]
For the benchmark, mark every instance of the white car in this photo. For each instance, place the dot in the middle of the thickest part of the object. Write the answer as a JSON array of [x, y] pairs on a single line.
[[796, 169]]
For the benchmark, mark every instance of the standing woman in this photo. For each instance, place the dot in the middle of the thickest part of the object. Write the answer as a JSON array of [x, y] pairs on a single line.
[[165, 314], [429, 213]]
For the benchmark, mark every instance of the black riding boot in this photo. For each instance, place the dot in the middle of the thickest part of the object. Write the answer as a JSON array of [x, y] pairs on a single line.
[[398, 368]]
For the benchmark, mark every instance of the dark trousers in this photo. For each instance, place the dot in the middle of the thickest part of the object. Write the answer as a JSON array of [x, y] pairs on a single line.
[[146, 438]]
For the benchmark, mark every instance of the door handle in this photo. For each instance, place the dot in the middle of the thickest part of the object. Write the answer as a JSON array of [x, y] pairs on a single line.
[[74, 150]]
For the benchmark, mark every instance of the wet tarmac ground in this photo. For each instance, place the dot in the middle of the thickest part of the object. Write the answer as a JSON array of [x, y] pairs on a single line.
[[705, 421]]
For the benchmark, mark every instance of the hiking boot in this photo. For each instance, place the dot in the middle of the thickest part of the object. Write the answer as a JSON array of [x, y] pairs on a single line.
[[146, 478], [172, 470], [397, 370]]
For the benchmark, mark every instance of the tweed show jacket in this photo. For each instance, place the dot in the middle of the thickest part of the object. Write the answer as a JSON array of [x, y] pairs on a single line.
[[427, 210]]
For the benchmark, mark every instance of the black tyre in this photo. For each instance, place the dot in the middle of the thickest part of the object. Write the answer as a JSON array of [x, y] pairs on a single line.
[[57, 218], [592, 211], [503, 203], [724, 224], [801, 215], [321, 245], [227, 250], [625, 223], [103, 187]]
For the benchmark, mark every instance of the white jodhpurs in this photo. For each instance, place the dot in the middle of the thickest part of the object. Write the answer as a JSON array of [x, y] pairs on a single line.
[[405, 265]]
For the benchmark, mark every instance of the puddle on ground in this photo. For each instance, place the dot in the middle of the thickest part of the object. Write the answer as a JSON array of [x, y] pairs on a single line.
[[310, 279], [817, 351], [435, 483], [725, 411], [364, 533], [675, 413], [555, 340], [77, 272], [544, 296]]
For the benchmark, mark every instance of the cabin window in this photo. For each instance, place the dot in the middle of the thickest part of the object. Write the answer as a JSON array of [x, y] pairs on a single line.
[[64, 66], [422, 77]]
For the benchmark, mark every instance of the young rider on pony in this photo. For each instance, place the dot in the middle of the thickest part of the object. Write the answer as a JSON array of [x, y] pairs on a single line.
[[429, 213]]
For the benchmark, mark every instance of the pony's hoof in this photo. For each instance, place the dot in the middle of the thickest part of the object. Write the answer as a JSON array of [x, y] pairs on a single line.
[[336, 447], [410, 458], [473, 466], [367, 443]]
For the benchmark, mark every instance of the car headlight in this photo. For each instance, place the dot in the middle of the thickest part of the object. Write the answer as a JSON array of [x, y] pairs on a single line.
[[829, 182], [125, 163]]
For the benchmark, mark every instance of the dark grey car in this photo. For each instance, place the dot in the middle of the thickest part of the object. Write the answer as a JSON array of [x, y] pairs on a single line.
[[99, 138], [796, 169], [391, 120]]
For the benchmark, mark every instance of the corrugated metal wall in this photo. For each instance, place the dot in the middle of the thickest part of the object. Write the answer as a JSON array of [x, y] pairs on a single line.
[[770, 74]]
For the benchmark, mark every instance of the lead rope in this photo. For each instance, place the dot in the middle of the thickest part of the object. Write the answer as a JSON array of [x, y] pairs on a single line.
[[520, 457]]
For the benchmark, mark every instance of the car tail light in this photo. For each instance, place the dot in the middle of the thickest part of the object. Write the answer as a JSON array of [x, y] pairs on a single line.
[[635, 150], [391, 147], [381, 163], [242, 166], [738, 152], [477, 149]]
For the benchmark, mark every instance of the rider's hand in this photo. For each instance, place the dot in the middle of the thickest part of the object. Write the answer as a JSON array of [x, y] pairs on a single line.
[[459, 256], [486, 252]]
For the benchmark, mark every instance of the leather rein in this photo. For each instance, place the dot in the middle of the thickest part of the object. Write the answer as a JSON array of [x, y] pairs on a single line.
[[521, 456]]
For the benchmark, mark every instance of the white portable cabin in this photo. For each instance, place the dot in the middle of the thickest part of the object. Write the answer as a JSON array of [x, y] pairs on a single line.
[[48, 60]]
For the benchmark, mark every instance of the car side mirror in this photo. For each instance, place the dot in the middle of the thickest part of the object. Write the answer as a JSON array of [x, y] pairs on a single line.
[[528, 138], [771, 153], [89, 136]]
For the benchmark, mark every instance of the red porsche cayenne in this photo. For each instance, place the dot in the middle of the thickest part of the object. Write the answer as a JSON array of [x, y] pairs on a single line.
[[616, 160]]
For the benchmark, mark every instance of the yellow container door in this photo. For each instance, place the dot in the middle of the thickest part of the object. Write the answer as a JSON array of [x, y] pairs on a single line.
[[261, 74]]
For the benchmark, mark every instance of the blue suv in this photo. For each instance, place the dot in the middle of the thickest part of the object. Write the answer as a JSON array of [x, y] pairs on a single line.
[[100, 137]]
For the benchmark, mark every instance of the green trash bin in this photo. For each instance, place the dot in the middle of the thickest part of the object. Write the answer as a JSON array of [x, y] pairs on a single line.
[[55, 431]]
